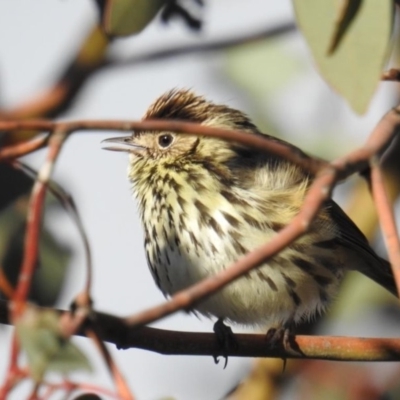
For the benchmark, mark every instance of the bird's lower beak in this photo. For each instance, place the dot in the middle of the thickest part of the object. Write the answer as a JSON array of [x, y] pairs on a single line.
[[124, 143]]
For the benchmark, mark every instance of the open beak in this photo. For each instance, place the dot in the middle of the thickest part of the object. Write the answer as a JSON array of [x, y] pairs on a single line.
[[122, 143]]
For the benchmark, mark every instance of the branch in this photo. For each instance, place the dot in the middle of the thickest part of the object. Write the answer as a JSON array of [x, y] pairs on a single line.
[[22, 148], [386, 218], [391, 75], [68, 203], [211, 46], [261, 142], [68, 387], [117, 376], [14, 374], [115, 330], [31, 249], [31, 245]]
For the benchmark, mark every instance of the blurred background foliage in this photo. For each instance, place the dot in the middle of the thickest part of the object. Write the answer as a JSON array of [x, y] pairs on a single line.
[[54, 256]]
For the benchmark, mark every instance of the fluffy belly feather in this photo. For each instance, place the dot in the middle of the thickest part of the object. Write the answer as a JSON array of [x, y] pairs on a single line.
[[287, 288]]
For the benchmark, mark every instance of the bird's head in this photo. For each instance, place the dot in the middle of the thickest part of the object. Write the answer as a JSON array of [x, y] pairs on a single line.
[[163, 162], [170, 148]]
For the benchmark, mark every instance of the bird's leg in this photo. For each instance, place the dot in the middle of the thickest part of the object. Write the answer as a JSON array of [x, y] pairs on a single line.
[[283, 337], [278, 337], [225, 338]]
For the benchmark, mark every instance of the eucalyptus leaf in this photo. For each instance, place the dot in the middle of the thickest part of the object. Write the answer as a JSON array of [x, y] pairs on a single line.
[[46, 349], [127, 17], [53, 260], [355, 67]]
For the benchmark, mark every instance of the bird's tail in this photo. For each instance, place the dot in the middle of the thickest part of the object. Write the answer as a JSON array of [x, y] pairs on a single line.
[[363, 257], [382, 274]]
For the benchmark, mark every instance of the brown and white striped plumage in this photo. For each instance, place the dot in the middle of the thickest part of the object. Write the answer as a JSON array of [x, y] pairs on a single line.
[[205, 202]]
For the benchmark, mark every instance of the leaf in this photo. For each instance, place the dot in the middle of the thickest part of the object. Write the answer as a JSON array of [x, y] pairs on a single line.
[[354, 69], [48, 280], [14, 184], [46, 349], [127, 17], [54, 256]]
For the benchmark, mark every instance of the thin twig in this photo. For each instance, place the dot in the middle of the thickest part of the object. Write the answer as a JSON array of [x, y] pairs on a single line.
[[23, 148], [381, 137], [14, 373], [203, 47], [391, 75], [5, 285], [35, 391], [35, 211], [68, 203], [69, 386], [386, 219], [119, 380], [70, 323]]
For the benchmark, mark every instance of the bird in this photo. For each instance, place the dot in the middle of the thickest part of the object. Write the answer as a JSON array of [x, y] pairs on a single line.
[[205, 202]]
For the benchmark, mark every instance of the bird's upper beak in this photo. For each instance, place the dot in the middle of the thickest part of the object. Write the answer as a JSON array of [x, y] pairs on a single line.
[[122, 143]]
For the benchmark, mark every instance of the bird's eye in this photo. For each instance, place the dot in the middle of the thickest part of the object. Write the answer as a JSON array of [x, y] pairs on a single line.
[[165, 140]]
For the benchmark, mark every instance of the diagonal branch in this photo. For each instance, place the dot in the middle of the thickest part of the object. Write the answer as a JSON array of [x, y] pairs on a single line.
[[22, 148], [68, 203], [31, 246], [119, 380], [386, 218]]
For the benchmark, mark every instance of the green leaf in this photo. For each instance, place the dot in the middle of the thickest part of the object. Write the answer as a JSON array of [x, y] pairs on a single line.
[[355, 67], [54, 256], [46, 349], [127, 17]]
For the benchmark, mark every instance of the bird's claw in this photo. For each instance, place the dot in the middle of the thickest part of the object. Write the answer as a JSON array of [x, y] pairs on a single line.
[[226, 340], [283, 338]]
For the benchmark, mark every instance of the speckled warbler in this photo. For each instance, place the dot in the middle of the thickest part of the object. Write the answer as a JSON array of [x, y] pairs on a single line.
[[204, 202]]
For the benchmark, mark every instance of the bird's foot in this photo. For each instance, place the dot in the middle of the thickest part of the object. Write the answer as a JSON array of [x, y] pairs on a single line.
[[278, 337], [226, 340], [283, 338]]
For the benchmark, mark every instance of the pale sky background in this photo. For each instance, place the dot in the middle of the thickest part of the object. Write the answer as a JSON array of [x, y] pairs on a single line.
[[36, 38]]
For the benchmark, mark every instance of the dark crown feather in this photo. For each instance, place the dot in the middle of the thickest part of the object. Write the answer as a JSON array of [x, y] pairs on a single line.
[[183, 104]]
